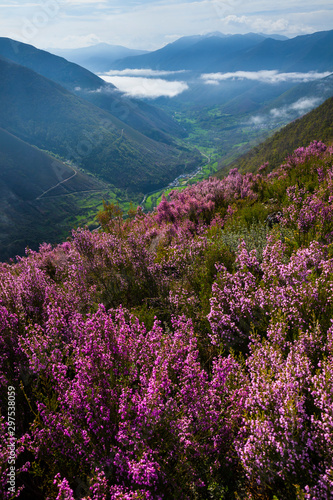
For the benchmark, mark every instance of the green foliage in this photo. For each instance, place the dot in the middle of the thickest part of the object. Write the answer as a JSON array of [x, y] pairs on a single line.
[[110, 217]]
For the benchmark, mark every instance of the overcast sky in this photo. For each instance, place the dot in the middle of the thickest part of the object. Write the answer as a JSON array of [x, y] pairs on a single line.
[[150, 24]]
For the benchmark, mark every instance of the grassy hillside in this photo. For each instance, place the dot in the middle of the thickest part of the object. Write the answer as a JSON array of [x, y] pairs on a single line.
[[316, 125], [149, 120], [28, 172]]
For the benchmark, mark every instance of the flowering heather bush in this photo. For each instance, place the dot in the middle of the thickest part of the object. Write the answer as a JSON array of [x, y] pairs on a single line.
[[186, 353]]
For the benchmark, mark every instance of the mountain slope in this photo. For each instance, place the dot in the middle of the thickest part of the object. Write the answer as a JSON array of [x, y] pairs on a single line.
[[198, 53], [317, 91], [144, 117], [315, 125], [149, 120], [33, 207], [67, 74], [45, 114], [303, 53], [30, 174]]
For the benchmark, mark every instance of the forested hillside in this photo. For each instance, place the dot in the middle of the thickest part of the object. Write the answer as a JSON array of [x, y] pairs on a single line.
[[185, 353]]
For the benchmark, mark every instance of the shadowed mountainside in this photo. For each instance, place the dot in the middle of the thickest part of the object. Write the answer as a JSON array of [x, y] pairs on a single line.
[[144, 117], [31, 184], [46, 115], [250, 52]]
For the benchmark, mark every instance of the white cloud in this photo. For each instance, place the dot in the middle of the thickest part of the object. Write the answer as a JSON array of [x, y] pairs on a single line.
[[146, 87], [279, 112], [265, 76], [212, 82], [260, 24], [287, 112], [80, 2], [257, 120], [18, 5], [301, 106], [141, 72], [305, 103]]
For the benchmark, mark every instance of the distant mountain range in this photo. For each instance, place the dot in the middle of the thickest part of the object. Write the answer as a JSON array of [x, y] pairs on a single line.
[[303, 53], [97, 58], [194, 53], [64, 130], [44, 104], [250, 52], [141, 116], [233, 70]]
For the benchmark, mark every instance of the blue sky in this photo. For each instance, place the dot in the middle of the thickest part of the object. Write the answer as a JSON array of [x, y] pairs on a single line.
[[150, 24]]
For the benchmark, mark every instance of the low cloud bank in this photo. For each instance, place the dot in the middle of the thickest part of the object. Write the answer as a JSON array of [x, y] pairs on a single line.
[[141, 72], [265, 76], [286, 112], [146, 87], [301, 106]]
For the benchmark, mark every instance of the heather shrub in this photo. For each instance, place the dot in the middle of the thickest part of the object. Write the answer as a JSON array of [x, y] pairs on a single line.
[[282, 451], [185, 353], [143, 419]]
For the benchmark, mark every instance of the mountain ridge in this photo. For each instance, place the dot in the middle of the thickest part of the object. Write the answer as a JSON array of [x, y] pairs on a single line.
[[294, 54], [96, 58]]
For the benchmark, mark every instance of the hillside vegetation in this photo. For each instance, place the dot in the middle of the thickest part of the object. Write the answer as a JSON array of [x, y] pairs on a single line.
[[318, 124], [185, 353]]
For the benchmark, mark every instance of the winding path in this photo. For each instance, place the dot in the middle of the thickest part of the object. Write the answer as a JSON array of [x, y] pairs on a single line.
[[59, 184]]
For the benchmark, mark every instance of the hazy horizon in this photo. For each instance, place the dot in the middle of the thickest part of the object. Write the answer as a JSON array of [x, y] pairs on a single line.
[[151, 24]]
